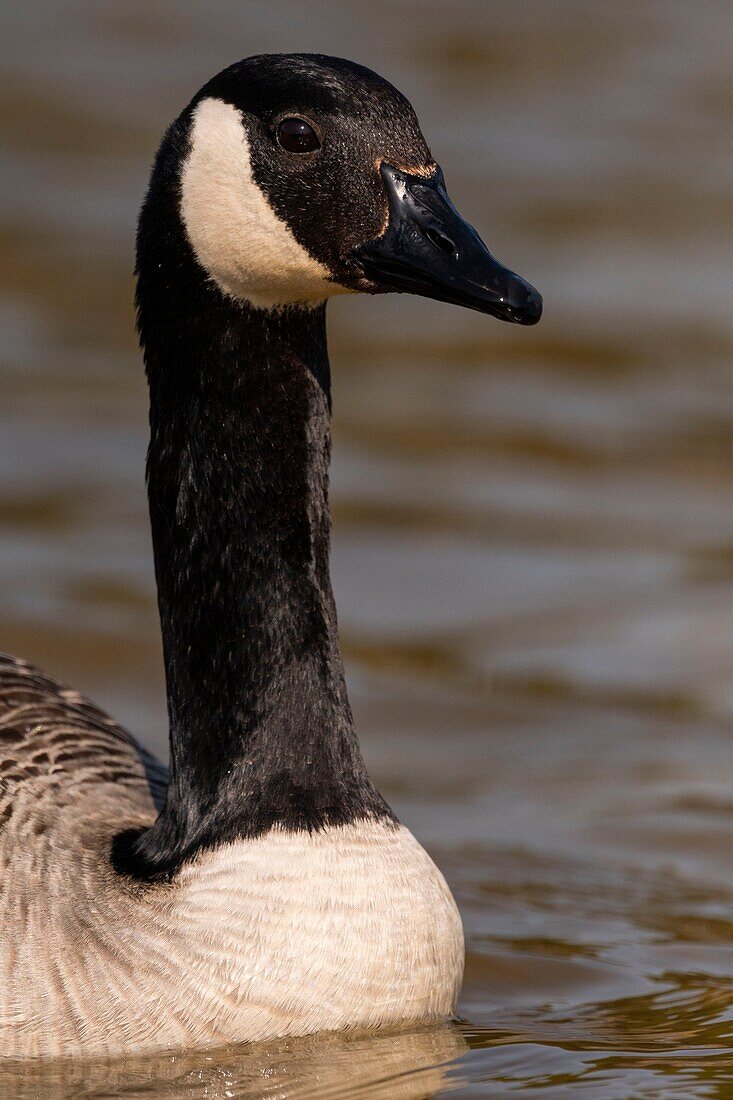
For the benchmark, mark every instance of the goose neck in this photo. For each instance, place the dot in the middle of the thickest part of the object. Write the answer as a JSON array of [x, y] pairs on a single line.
[[260, 725]]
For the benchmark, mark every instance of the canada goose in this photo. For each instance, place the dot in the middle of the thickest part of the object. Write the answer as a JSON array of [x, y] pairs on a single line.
[[265, 888]]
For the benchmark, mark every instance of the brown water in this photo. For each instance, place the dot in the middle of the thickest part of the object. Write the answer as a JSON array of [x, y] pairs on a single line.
[[533, 546]]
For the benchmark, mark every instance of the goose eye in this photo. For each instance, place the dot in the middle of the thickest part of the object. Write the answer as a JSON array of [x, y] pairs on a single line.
[[297, 136]]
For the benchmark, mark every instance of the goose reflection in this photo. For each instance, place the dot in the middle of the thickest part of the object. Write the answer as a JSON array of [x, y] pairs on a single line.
[[395, 1065]]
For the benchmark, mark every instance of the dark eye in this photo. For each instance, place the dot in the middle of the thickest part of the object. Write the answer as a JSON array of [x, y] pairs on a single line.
[[297, 136]]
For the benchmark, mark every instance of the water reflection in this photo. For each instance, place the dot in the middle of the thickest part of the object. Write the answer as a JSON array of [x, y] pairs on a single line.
[[407, 1065]]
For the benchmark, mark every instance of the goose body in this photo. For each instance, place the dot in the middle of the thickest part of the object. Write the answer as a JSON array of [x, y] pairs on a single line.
[[285, 933], [262, 888]]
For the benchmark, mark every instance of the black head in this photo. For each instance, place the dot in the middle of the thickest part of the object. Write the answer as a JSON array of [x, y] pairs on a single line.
[[300, 176]]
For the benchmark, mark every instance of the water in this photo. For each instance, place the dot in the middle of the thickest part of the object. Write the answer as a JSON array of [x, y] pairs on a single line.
[[533, 546]]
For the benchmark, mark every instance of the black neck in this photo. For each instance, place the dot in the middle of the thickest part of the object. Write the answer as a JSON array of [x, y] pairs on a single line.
[[260, 726]]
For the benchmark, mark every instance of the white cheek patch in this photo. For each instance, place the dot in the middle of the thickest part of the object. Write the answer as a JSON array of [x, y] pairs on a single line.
[[238, 239]]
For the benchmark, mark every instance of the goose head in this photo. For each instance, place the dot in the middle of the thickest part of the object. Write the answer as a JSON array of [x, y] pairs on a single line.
[[300, 177]]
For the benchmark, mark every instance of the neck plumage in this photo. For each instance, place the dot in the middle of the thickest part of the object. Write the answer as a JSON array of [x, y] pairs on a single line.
[[260, 726]]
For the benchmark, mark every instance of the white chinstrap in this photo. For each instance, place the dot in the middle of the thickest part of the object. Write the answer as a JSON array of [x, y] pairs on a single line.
[[237, 238]]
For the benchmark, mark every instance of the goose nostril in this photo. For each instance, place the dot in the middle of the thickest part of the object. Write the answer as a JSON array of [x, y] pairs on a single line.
[[445, 244]]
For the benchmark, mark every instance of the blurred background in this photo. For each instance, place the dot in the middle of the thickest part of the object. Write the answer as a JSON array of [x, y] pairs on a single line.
[[533, 529]]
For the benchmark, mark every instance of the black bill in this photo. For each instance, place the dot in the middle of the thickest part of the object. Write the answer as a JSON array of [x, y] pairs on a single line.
[[428, 249]]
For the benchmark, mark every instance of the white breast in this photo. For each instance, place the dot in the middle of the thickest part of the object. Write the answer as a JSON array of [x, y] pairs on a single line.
[[350, 927]]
